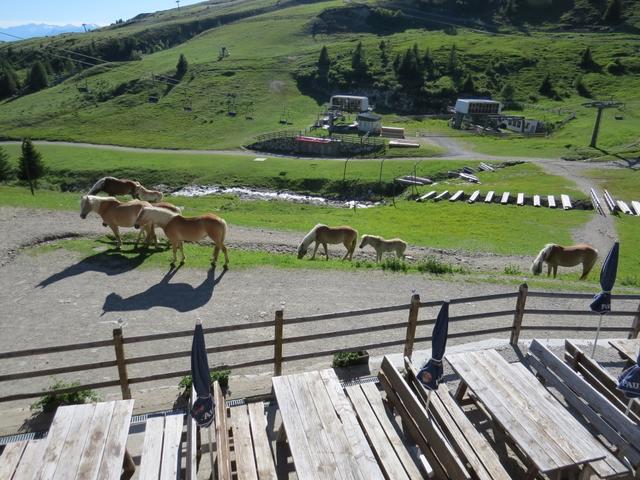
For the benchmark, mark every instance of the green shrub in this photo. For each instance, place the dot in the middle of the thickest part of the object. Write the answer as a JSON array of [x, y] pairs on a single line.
[[394, 264], [512, 270], [222, 376], [51, 401], [346, 359], [431, 264]]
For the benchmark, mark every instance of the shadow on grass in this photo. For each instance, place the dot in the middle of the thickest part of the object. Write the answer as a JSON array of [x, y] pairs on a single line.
[[181, 297], [109, 262]]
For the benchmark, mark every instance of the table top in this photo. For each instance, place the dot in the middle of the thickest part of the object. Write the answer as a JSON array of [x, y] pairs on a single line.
[[541, 427], [84, 441], [629, 348], [323, 432]]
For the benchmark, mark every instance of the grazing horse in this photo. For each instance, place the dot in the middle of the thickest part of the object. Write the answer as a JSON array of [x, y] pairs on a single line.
[[381, 245], [149, 195], [115, 214], [179, 229], [554, 255], [322, 234], [115, 186]]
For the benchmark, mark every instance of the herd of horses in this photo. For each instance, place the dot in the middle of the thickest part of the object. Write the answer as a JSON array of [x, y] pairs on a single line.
[[147, 211]]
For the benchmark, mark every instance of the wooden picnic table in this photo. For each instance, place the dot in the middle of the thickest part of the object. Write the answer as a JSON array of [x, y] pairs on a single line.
[[546, 433], [84, 441], [322, 429], [628, 349]]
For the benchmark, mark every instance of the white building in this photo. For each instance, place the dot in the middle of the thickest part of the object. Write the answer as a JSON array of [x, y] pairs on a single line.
[[369, 123], [349, 103], [476, 111]]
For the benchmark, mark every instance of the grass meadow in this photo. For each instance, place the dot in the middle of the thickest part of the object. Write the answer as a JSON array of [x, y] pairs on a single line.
[[258, 81]]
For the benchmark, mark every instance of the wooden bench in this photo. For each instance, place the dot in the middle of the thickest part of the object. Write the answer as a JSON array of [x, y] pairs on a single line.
[[620, 431], [394, 458], [245, 429], [599, 379], [469, 444], [421, 427], [162, 447]]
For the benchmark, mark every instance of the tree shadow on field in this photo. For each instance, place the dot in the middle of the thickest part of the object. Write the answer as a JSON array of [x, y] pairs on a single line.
[[110, 262], [181, 297]]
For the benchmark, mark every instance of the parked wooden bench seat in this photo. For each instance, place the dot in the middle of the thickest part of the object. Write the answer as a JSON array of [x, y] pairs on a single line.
[[394, 458], [468, 443], [245, 429], [619, 430], [599, 379], [437, 450], [160, 458]]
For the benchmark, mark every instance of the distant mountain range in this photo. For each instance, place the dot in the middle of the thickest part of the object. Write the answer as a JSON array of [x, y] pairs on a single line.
[[40, 30]]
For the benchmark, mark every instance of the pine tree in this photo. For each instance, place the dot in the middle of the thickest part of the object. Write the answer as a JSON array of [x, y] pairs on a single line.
[[37, 78], [409, 72], [6, 171], [586, 60], [324, 62], [396, 62], [359, 63], [8, 81], [428, 63], [468, 86], [452, 63], [30, 166], [546, 87], [613, 13], [182, 66], [384, 53]]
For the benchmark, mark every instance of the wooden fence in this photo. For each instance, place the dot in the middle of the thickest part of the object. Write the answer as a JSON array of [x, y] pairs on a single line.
[[278, 340]]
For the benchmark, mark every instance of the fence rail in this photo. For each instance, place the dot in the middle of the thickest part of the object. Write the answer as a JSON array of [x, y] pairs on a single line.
[[277, 340]]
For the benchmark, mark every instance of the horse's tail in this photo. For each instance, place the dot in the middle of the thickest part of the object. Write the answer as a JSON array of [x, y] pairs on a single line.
[[536, 266], [97, 186]]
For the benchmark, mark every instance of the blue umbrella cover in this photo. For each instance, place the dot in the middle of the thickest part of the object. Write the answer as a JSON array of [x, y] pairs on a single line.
[[431, 373], [629, 381], [202, 408], [602, 301]]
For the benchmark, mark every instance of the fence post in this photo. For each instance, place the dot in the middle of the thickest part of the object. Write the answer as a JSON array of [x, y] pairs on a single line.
[[122, 367], [277, 346], [517, 318], [411, 326], [635, 326]]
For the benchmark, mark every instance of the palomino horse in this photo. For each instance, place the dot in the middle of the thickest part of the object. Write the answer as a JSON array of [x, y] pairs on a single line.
[[149, 195], [381, 245], [179, 229], [556, 255], [322, 234], [115, 186], [115, 214]]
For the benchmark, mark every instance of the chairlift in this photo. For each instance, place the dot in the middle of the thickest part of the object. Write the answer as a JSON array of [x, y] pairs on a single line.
[[248, 115], [284, 116]]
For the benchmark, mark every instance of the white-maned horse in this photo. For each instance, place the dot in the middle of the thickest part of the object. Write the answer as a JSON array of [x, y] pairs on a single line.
[[179, 229], [115, 214], [149, 195], [382, 246], [556, 255], [321, 234]]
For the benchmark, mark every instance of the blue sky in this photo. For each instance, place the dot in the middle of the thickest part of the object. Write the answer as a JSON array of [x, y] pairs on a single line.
[[77, 12]]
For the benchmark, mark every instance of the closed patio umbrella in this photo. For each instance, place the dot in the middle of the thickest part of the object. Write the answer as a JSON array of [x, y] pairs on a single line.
[[629, 382], [602, 301], [202, 408], [431, 373]]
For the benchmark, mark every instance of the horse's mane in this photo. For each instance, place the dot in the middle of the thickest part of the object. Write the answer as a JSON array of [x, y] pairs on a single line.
[[97, 186], [536, 266], [310, 237]]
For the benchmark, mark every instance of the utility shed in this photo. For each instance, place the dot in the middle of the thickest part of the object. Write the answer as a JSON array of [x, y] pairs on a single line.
[[369, 123]]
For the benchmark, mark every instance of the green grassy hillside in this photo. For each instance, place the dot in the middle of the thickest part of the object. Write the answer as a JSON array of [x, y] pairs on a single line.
[[260, 80]]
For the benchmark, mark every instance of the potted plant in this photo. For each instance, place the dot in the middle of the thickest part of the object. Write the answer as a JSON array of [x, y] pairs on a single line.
[[347, 359], [220, 375]]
